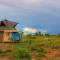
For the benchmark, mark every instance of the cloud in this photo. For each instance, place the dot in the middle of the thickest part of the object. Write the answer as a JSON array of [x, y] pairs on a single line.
[[19, 3], [33, 6], [29, 30], [31, 3], [42, 13]]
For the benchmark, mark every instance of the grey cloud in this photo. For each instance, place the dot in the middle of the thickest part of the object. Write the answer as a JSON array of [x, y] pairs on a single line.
[[31, 3], [31, 6]]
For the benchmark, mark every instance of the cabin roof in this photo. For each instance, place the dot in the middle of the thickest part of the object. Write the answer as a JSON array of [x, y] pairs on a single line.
[[7, 25], [6, 28]]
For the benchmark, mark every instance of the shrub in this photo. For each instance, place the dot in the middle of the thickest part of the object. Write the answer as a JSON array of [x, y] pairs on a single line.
[[47, 34], [59, 35], [1, 51], [42, 52], [34, 49], [23, 54], [8, 51], [33, 37]]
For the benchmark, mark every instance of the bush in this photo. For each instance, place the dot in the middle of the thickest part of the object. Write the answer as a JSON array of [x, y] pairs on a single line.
[[59, 35], [34, 49], [47, 34], [8, 51], [42, 52], [1, 51], [23, 54], [33, 37]]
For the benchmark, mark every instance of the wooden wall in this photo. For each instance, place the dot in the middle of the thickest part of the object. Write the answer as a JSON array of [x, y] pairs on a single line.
[[1, 36], [7, 37]]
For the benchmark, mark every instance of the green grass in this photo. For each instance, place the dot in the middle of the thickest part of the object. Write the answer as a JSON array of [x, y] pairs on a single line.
[[23, 53], [35, 43], [1, 52], [39, 43]]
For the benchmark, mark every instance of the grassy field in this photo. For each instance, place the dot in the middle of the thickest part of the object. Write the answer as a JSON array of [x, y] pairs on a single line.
[[32, 48]]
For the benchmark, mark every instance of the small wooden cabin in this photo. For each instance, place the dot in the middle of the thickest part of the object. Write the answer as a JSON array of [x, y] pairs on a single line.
[[8, 32]]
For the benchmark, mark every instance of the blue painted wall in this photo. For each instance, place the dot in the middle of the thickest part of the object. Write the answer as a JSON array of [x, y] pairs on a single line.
[[16, 36]]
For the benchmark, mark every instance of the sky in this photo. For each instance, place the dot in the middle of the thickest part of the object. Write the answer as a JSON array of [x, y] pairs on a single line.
[[39, 14]]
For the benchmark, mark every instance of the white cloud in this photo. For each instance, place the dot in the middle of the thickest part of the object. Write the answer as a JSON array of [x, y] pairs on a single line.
[[29, 30]]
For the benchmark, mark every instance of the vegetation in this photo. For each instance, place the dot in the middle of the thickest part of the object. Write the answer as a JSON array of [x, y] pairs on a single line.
[[34, 47], [1, 52], [23, 54]]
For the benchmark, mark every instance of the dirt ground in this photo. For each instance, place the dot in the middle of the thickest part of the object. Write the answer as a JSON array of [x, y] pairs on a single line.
[[53, 54]]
